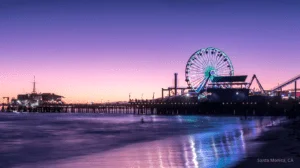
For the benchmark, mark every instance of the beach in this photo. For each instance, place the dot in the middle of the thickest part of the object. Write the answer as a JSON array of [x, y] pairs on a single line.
[[281, 147]]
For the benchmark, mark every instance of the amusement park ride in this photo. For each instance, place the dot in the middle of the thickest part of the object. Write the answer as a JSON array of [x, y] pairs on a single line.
[[209, 74]]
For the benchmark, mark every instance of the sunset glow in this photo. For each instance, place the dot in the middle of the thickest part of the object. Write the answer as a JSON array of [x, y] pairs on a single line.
[[100, 51]]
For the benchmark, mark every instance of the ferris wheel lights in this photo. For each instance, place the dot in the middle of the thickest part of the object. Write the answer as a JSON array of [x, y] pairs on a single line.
[[211, 64]]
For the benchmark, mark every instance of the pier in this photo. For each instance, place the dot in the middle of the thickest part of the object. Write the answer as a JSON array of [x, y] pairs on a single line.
[[274, 108], [207, 93]]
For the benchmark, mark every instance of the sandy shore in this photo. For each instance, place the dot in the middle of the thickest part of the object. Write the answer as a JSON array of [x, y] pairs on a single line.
[[281, 147]]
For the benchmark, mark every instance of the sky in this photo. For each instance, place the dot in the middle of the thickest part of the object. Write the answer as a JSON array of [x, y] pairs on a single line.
[[102, 50]]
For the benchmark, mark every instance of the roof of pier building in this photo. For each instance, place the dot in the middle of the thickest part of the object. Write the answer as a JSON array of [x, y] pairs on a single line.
[[241, 78]]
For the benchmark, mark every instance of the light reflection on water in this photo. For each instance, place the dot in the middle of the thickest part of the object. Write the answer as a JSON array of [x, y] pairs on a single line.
[[163, 141], [184, 151]]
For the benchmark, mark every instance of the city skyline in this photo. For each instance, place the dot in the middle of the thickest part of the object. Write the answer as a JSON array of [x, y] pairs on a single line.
[[93, 51]]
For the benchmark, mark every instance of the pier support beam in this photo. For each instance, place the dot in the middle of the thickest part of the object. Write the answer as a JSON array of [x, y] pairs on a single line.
[[175, 83], [295, 90]]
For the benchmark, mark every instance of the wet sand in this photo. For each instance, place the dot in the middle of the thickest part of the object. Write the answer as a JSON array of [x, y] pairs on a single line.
[[281, 147]]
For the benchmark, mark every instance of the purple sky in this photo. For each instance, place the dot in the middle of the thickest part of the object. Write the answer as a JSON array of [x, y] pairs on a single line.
[[93, 50]]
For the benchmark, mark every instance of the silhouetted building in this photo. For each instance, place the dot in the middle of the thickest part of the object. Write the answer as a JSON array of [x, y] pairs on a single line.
[[228, 88], [35, 99]]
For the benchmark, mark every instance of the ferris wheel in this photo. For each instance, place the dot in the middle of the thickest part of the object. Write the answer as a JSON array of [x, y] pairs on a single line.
[[204, 65]]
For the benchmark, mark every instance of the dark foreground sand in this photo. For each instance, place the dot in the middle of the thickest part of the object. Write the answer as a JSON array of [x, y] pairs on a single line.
[[281, 147]]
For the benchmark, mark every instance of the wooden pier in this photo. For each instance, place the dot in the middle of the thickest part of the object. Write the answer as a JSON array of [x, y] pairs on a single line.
[[168, 108]]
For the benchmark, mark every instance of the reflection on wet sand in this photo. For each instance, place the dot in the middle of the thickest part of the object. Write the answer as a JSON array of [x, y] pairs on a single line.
[[209, 149]]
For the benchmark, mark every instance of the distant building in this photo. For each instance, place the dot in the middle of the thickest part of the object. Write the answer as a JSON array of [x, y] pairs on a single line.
[[36, 99]]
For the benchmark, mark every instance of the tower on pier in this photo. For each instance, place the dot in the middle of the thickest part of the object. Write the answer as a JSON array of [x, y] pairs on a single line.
[[34, 90]]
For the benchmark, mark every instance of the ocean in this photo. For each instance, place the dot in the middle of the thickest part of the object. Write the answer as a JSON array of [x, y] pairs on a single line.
[[76, 140]]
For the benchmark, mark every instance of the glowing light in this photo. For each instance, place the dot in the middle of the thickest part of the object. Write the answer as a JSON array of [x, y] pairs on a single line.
[[243, 140], [214, 148], [160, 158], [186, 158]]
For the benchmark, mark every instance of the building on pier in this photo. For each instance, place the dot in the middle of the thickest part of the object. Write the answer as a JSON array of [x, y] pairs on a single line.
[[228, 88], [34, 99]]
